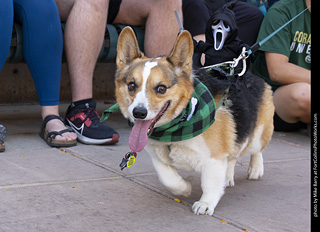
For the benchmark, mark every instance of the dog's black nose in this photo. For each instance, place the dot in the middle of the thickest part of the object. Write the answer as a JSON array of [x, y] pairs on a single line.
[[140, 112]]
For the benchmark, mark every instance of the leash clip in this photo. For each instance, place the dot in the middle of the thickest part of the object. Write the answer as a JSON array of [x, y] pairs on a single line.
[[243, 56]]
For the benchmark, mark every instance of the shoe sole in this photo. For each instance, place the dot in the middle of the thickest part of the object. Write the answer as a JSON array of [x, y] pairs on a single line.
[[56, 143], [90, 141]]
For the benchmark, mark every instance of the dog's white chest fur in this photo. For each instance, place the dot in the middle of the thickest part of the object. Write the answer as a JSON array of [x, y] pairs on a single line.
[[185, 155]]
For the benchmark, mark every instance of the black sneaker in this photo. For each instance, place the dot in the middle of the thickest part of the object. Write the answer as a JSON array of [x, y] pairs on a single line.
[[85, 122]]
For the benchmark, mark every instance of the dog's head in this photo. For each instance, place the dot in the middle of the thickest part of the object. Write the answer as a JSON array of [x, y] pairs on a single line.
[[152, 91]]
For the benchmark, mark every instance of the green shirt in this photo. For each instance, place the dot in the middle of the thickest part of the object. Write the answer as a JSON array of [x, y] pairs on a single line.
[[293, 41]]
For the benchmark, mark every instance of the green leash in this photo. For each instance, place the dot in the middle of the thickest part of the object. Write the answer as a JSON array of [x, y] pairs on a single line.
[[257, 45], [109, 111]]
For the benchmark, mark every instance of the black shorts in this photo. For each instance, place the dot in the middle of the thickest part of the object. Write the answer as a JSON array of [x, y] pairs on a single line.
[[114, 6], [281, 125]]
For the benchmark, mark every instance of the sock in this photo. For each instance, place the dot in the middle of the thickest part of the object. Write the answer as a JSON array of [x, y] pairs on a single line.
[[81, 102]]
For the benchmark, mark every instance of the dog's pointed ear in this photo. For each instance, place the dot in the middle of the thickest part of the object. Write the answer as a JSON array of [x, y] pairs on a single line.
[[182, 52], [127, 48]]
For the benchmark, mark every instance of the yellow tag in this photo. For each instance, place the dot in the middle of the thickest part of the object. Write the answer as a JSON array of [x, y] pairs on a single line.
[[131, 161]]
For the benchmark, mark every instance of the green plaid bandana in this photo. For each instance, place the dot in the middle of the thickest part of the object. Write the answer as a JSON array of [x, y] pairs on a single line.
[[195, 119]]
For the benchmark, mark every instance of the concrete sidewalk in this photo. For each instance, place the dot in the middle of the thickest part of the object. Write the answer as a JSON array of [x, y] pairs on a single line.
[[82, 188]]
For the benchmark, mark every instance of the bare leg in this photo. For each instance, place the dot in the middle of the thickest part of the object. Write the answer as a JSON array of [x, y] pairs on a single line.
[[159, 19], [55, 124], [292, 102], [83, 37], [85, 27]]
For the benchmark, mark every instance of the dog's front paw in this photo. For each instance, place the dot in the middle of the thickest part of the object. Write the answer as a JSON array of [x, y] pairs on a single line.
[[202, 208], [182, 189]]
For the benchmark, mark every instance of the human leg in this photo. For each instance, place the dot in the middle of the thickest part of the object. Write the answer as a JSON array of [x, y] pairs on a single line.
[[293, 102], [43, 44], [249, 19], [6, 23], [83, 35], [161, 27]]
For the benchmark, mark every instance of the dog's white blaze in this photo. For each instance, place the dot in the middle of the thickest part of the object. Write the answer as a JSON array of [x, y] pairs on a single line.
[[147, 70], [141, 97]]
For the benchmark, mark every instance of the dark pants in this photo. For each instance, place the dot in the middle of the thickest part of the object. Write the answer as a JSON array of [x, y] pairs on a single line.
[[42, 42]]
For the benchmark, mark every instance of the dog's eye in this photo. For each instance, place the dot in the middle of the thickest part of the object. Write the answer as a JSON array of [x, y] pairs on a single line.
[[161, 89], [132, 86]]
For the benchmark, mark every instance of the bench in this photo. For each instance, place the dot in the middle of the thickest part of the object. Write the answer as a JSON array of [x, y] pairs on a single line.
[[17, 86], [107, 54]]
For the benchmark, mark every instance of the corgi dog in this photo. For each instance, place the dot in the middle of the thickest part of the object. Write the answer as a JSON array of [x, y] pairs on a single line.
[[157, 93]]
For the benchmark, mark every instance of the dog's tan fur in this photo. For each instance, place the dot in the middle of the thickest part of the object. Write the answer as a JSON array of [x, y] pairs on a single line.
[[214, 152]]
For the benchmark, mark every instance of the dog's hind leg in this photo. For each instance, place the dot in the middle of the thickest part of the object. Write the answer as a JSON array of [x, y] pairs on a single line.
[[213, 176], [256, 169], [230, 173], [262, 135]]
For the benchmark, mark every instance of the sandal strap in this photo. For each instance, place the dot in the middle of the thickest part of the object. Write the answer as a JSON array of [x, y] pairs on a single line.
[[51, 117], [53, 134]]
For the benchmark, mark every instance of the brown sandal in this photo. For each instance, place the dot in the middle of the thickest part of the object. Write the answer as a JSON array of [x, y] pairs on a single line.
[[2, 146], [49, 137]]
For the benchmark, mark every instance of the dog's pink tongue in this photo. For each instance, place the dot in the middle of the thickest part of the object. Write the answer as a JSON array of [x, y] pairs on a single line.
[[139, 135]]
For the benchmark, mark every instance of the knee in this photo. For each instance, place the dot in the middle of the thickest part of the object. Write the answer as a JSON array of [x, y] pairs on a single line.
[[40, 11], [257, 15], [176, 5], [65, 8], [166, 5], [99, 5], [302, 97]]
